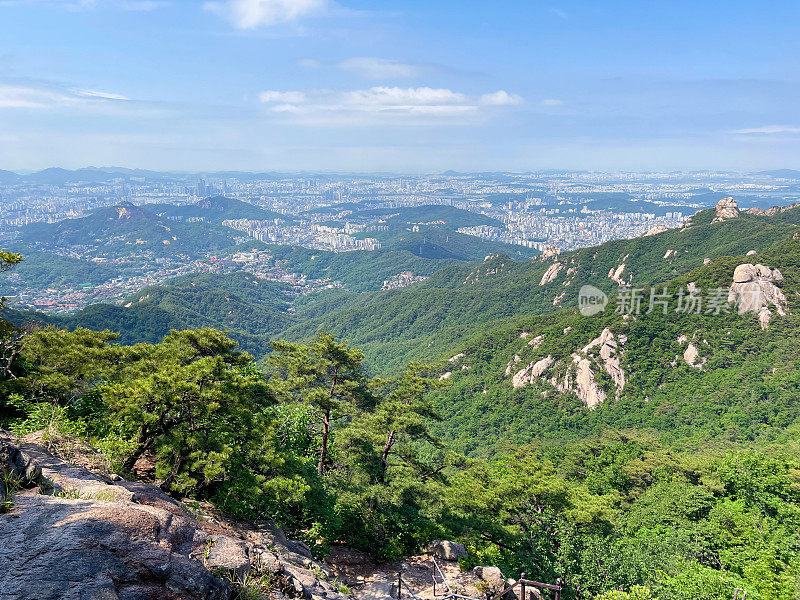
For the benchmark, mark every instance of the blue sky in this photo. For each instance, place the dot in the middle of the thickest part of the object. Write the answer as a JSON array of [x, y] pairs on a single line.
[[403, 86]]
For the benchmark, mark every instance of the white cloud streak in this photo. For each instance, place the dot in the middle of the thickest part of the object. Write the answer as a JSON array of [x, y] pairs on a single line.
[[285, 97], [250, 14], [382, 104], [769, 130]]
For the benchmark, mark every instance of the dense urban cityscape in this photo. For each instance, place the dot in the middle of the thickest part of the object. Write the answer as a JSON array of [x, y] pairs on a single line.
[[342, 213]]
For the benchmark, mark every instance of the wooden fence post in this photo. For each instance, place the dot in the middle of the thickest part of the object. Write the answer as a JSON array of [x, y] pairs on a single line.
[[558, 591], [522, 586]]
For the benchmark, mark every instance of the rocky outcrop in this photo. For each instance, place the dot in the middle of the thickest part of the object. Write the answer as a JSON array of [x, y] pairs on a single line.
[[754, 290], [727, 208], [446, 550], [690, 355], [775, 210], [607, 351], [531, 372], [73, 534], [550, 252], [670, 254], [603, 352], [656, 230], [616, 274], [536, 342], [586, 386], [551, 273]]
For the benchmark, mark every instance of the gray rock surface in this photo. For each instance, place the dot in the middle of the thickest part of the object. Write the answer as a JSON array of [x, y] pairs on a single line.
[[754, 290], [74, 535], [446, 550], [727, 208]]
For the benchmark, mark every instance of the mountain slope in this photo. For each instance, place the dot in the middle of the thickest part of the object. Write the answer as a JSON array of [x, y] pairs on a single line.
[[124, 228], [457, 299], [216, 209], [251, 309]]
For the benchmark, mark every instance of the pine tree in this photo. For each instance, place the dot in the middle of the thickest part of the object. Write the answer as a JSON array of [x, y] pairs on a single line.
[[326, 374]]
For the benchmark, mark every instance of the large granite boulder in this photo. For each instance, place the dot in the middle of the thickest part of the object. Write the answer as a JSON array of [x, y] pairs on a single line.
[[727, 208], [446, 550], [754, 290]]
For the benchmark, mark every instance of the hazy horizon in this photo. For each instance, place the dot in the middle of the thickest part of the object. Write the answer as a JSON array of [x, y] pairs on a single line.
[[357, 86]]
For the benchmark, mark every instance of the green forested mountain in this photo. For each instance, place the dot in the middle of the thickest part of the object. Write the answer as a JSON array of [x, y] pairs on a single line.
[[651, 451], [447, 217], [424, 252], [460, 299], [48, 270], [125, 229], [252, 310], [216, 209]]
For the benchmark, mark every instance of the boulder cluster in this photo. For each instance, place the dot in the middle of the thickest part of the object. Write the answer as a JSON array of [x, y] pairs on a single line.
[[754, 290]]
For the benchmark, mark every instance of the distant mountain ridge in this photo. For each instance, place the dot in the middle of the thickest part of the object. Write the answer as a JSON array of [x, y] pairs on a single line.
[[216, 209]]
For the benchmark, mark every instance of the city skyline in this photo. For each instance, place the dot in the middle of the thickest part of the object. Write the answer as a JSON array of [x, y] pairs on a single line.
[[413, 87]]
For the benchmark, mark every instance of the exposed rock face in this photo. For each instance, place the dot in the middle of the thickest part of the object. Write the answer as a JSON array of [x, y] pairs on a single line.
[[446, 550], [603, 352], [529, 373], [551, 273], [656, 230], [754, 290], [616, 274], [126, 541], [727, 208], [706, 261], [550, 252], [669, 254], [587, 388], [492, 578], [690, 355], [608, 355], [775, 210], [536, 342], [511, 364]]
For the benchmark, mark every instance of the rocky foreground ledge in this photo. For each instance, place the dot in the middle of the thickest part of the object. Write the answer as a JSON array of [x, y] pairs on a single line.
[[73, 535]]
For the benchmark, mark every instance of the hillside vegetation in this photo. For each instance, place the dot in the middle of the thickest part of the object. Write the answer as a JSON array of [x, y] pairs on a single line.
[[651, 451]]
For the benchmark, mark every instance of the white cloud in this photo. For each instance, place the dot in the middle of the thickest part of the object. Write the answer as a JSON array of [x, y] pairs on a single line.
[[379, 68], [551, 102], [559, 13], [249, 14], [100, 95], [396, 97], [283, 97], [769, 130], [24, 95], [500, 98], [380, 104]]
